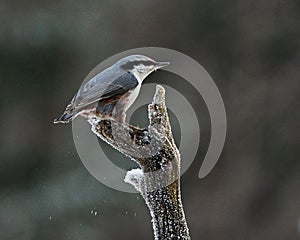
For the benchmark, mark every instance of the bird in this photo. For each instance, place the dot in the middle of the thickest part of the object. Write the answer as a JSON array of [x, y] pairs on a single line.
[[110, 93]]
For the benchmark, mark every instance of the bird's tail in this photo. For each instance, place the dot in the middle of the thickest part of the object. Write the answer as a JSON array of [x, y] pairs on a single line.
[[65, 118], [68, 115]]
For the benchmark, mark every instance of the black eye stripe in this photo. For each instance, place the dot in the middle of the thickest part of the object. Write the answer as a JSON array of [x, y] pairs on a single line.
[[131, 64]]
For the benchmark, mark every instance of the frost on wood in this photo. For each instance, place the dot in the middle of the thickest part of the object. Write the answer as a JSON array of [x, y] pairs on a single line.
[[158, 178], [134, 177]]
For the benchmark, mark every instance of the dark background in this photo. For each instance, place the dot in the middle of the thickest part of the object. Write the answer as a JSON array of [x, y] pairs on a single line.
[[250, 48]]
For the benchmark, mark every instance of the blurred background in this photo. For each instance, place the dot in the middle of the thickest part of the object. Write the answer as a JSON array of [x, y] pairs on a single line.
[[250, 48]]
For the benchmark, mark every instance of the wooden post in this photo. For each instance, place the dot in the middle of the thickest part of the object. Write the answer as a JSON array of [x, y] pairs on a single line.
[[158, 179]]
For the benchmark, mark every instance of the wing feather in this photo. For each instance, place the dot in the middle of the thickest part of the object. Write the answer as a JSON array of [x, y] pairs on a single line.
[[99, 88]]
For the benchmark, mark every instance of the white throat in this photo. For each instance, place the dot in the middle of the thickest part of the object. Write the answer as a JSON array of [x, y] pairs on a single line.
[[139, 76]]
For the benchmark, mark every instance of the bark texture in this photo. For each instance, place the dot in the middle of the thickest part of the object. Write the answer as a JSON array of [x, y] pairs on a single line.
[[158, 179]]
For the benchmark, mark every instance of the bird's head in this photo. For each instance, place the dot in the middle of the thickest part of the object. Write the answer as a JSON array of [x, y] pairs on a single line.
[[140, 66]]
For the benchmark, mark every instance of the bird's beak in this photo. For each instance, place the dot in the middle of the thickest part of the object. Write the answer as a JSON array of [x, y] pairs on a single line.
[[161, 65]]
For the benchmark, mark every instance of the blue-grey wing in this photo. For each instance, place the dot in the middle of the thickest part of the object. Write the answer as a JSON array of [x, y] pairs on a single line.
[[99, 88]]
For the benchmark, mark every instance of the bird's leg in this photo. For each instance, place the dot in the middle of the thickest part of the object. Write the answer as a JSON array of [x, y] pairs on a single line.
[[138, 135], [123, 118]]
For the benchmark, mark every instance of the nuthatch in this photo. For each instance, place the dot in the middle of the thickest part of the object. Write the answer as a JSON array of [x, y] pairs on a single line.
[[110, 93]]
